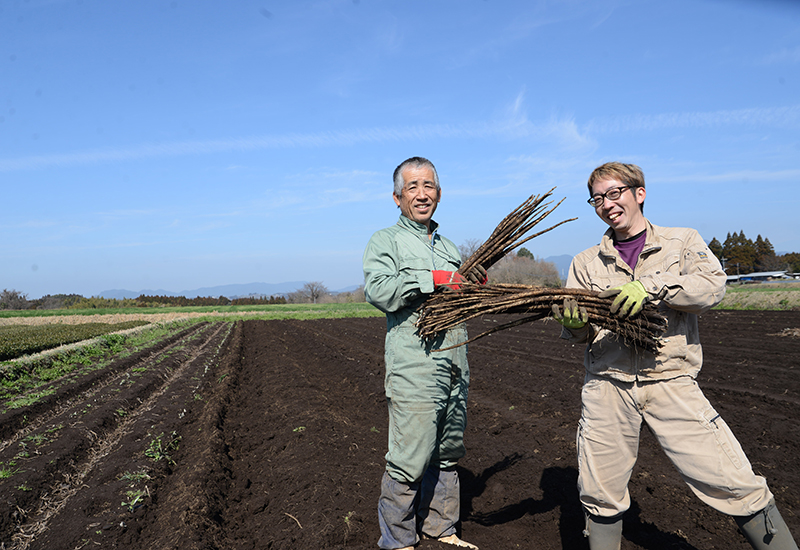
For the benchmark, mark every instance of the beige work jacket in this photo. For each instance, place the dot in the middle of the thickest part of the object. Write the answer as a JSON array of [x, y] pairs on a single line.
[[682, 277]]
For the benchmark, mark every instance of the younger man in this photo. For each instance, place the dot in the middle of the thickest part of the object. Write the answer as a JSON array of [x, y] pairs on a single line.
[[639, 262]]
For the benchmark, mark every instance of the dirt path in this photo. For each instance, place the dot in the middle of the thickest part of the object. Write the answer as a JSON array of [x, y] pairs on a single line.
[[280, 429]]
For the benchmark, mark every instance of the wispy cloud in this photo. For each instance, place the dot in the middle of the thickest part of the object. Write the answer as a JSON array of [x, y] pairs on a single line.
[[30, 224], [777, 116], [739, 176], [785, 55], [512, 128]]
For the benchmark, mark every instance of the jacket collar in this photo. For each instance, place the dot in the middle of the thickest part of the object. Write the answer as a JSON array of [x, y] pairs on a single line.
[[415, 227], [652, 240]]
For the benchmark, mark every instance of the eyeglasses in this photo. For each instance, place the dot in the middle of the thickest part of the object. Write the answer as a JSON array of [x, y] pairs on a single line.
[[612, 194]]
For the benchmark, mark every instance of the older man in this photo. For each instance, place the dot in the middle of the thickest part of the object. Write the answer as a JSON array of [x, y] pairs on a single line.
[[426, 389], [637, 262]]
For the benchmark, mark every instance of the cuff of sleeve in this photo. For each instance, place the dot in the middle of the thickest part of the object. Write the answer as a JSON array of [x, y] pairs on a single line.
[[576, 333]]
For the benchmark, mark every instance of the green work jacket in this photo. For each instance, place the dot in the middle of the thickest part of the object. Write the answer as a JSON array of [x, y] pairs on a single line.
[[398, 262]]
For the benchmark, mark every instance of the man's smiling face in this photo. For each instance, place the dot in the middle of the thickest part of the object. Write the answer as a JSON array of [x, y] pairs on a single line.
[[420, 196], [624, 215]]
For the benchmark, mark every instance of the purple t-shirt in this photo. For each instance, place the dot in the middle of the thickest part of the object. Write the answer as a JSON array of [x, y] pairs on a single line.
[[629, 249]]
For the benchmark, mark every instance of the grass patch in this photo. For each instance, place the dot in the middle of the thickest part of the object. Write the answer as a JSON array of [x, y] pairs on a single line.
[[764, 296], [28, 399], [19, 340], [8, 470]]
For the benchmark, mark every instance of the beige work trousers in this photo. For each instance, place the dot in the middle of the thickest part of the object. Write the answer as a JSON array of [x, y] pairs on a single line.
[[695, 438]]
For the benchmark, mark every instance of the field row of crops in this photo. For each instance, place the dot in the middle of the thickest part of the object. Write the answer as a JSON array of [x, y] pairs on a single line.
[[275, 311], [30, 378], [28, 332], [19, 340]]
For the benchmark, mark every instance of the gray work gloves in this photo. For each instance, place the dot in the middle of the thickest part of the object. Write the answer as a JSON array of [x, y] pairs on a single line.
[[573, 317]]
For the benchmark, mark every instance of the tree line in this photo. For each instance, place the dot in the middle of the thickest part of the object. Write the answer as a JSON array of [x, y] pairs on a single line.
[[740, 255], [13, 299], [181, 301], [311, 293]]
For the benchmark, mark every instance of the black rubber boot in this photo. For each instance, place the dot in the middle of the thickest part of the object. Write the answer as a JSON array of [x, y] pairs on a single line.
[[766, 530]]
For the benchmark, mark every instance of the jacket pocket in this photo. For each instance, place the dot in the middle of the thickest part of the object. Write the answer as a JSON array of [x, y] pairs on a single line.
[[674, 343], [671, 263], [607, 353], [605, 281]]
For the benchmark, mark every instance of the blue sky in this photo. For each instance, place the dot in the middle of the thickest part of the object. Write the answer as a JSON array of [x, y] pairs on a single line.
[[180, 144]]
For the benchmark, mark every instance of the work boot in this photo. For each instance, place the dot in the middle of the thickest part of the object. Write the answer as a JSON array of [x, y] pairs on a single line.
[[766, 530], [603, 533], [454, 540]]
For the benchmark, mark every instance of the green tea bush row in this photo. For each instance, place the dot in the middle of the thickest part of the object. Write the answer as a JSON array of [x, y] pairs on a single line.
[[19, 340]]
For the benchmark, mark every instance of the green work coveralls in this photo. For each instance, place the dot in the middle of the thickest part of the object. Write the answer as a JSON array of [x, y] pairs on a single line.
[[426, 389]]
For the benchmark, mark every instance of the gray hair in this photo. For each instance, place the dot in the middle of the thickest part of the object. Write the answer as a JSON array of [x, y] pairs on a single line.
[[415, 162]]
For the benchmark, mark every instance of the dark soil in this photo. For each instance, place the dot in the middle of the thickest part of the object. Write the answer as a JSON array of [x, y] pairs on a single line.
[[271, 435]]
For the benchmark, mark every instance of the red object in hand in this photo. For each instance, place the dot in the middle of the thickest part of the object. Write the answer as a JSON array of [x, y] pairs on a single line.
[[450, 279]]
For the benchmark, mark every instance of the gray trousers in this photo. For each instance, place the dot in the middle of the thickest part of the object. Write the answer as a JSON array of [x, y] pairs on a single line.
[[431, 506]]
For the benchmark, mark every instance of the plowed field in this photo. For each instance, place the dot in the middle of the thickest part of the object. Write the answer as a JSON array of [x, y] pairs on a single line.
[[271, 435]]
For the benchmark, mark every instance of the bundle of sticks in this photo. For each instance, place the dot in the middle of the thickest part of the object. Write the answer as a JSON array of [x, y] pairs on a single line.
[[509, 233], [445, 308]]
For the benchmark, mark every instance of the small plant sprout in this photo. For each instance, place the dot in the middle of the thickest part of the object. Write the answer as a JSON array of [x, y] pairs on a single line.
[[134, 498], [158, 449], [8, 470], [134, 477], [299, 429]]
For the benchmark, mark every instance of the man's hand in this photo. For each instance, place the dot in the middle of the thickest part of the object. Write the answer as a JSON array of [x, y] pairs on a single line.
[[573, 317], [630, 299], [477, 275], [450, 279]]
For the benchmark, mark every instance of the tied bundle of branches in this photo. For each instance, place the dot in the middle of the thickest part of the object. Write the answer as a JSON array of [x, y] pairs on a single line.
[[446, 308], [509, 233]]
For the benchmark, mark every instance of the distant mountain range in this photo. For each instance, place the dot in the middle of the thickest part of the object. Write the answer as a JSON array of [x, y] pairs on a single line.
[[270, 289]]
